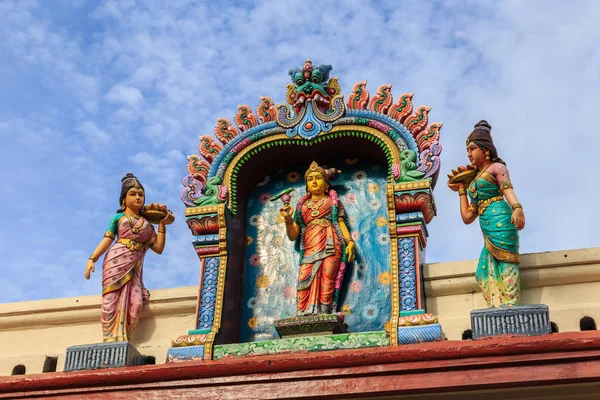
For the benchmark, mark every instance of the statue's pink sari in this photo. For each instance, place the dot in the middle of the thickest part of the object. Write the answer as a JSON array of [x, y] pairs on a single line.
[[123, 291]]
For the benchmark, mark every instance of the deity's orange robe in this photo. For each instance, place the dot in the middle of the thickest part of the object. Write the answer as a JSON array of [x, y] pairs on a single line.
[[322, 257]]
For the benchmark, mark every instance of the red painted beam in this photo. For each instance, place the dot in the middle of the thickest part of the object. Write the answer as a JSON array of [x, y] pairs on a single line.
[[421, 368]]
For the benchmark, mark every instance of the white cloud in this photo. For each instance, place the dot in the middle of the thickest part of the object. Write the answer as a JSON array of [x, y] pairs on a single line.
[[95, 134], [126, 95]]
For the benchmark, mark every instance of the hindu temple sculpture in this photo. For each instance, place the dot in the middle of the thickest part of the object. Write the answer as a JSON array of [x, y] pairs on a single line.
[[486, 183], [323, 239], [123, 291], [494, 202], [255, 296]]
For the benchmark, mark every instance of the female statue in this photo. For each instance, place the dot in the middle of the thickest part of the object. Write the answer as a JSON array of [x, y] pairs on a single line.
[[500, 214], [323, 240], [123, 291]]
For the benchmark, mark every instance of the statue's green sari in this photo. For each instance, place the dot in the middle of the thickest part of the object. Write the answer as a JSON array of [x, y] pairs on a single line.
[[498, 267]]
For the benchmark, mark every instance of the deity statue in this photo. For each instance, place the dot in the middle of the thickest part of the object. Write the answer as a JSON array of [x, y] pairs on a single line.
[[501, 216], [323, 240], [123, 291]]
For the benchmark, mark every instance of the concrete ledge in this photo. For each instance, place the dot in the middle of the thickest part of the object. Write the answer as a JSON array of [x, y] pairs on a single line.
[[73, 310], [537, 270]]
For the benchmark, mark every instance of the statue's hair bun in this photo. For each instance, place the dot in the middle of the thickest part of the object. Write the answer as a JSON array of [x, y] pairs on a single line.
[[332, 173], [483, 124]]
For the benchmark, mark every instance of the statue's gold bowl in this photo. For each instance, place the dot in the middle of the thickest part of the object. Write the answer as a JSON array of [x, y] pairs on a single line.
[[462, 174], [154, 216]]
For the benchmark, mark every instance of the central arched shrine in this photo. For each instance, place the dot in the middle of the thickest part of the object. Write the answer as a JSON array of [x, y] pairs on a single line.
[[387, 155]]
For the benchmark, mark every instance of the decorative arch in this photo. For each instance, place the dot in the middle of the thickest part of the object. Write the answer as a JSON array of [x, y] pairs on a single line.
[[315, 112], [211, 180]]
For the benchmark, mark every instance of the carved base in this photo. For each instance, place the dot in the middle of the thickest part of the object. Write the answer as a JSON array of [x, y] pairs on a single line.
[[102, 355], [310, 325], [342, 341], [530, 320], [188, 353], [420, 333]]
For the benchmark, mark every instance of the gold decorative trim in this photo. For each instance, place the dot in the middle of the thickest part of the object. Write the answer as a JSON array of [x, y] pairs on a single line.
[[484, 204], [473, 209], [500, 254], [407, 235], [505, 185], [418, 319], [201, 210], [390, 144], [189, 340], [134, 245], [424, 184], [393, 264], [486, 176], [208, 346]]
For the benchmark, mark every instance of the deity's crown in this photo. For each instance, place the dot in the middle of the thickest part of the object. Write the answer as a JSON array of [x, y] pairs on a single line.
[[314, 167]]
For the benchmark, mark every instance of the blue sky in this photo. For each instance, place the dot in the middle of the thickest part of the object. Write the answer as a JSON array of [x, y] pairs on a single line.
[[93, 90]]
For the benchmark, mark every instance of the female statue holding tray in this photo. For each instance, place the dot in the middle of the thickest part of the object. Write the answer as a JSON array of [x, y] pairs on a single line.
[[123, 291], [500, 214], [323, 240]]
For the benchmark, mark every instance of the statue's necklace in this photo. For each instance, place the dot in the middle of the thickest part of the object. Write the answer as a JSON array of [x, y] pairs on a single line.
[[314, 206], [134, 229]]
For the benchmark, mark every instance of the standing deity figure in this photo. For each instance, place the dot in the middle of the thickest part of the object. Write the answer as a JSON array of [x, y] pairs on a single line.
[[323, 240], [500, 214], [123, 291]]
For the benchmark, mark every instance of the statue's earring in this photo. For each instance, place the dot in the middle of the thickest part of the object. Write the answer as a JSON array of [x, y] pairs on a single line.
[[487, 155]]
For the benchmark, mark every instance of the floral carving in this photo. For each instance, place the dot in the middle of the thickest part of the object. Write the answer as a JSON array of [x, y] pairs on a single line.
[[359, 98], [224, 131], [418, 121], [266, 109], [402, 108], [209, 148], [245, 118], [419, 201], [382, 100]]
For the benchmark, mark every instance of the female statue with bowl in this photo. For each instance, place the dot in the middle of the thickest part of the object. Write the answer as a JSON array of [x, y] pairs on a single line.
[[323, 240], [123, 291], [493, 200]]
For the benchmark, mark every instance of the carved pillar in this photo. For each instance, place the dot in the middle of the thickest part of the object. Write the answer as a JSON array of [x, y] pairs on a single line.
[[410, 209], [208, 228]]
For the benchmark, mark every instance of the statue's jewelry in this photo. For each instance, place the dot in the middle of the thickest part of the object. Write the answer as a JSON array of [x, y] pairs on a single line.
[[94, 257], [516, 205], [134, 229], [462, 191], [164, 230], [315, 206]]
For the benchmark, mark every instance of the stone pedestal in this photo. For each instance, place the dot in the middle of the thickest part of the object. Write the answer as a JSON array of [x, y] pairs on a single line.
[[310, 325], [418, 327], [102, 355], [529, 320]]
